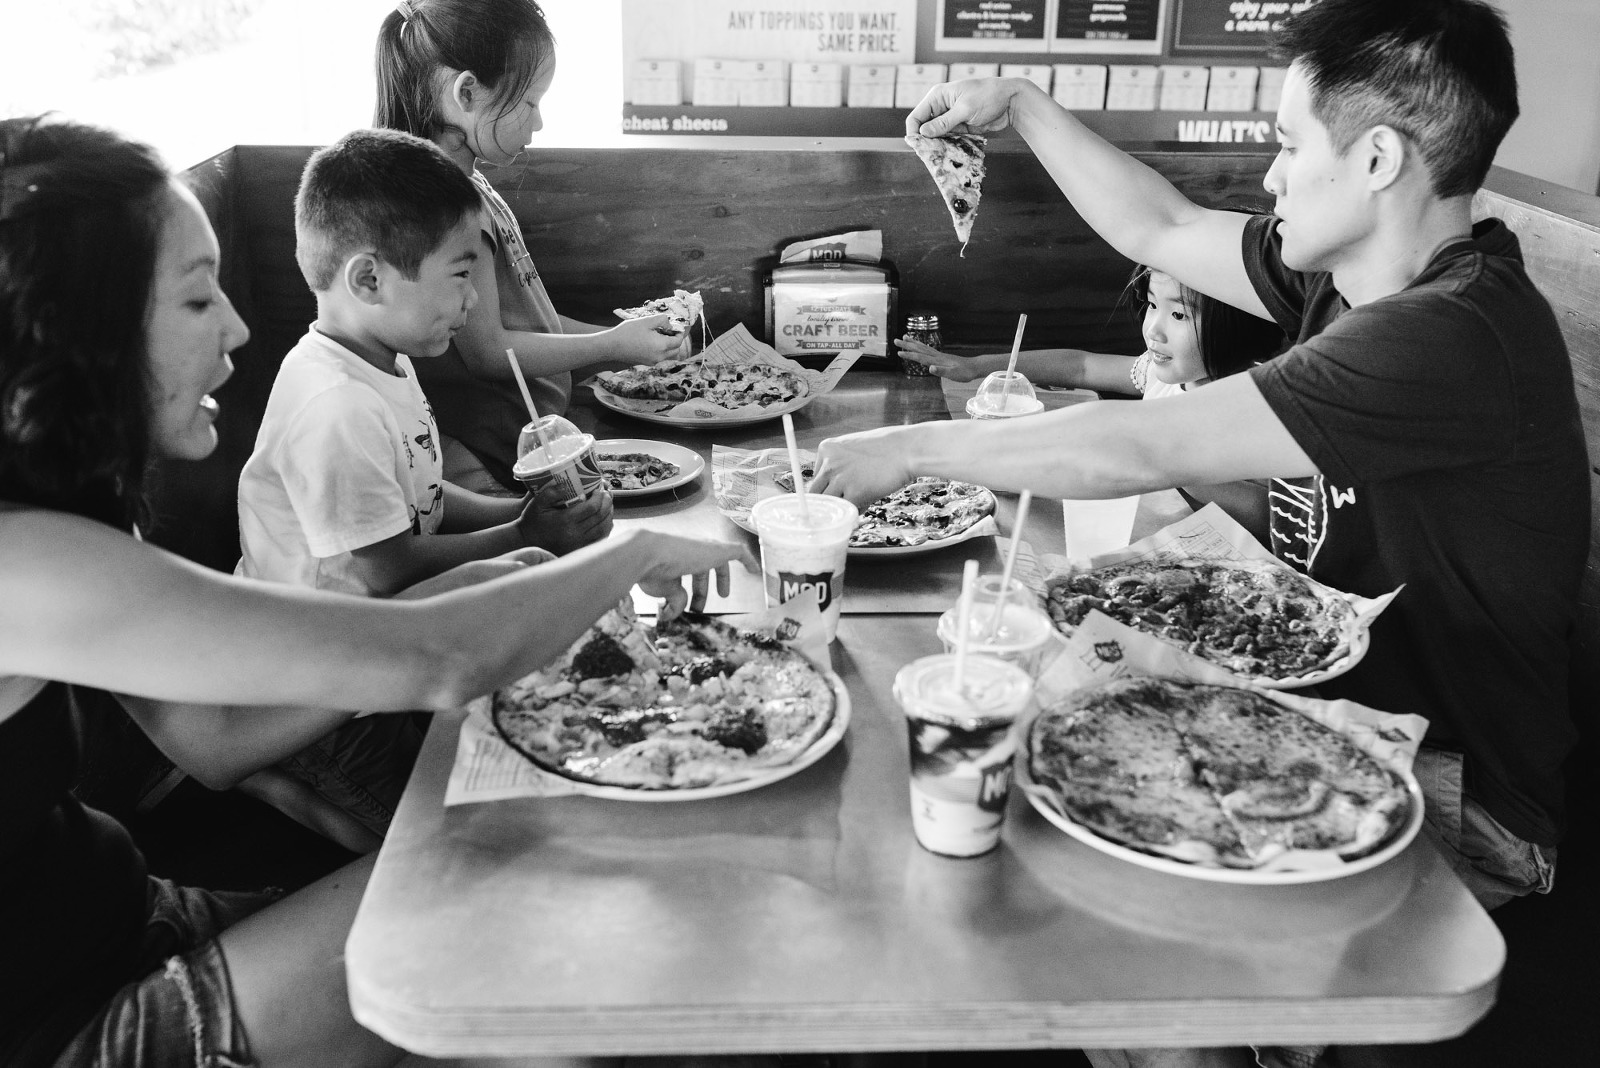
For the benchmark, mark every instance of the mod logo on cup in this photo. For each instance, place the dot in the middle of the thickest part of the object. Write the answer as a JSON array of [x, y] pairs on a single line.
[[792, 585]]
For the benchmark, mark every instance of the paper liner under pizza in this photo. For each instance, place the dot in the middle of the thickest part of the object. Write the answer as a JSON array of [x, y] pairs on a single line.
[[686, 704], [956, 162], [1216, 776]]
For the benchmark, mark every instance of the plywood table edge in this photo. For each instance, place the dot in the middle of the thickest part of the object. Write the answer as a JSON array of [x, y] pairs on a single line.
[[832, 1028]]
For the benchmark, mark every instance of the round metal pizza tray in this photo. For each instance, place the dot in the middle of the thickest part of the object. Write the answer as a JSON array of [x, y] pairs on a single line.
[[1277, 876], [617, 404], [764, 777], [688, 462]]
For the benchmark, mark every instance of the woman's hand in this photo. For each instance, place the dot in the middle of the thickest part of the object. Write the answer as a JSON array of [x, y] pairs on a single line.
[[944, 364], [671, 557], [640, 341]]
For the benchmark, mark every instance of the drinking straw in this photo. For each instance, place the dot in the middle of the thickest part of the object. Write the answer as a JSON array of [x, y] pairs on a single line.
[[1011, 562], [794, 469], [527, 398], [1011, 364], [969, 582]]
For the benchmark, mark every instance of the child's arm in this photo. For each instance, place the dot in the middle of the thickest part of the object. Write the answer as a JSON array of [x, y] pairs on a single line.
[[484, 340], [1102, 372], [404, 559]]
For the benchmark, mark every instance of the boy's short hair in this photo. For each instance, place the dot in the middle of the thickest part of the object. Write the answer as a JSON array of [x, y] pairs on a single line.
[[380, 190], [1440, 72]]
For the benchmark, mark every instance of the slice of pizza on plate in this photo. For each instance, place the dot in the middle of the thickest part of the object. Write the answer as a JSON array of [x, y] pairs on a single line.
[[683, 308], [956, 163]]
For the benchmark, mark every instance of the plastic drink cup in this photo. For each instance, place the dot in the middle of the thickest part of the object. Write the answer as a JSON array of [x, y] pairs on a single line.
[[552, 451], [805, 557], [1003, 396], [1020, 636], [962, 742]]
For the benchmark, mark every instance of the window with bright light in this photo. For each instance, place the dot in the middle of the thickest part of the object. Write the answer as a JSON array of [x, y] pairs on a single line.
[[194, 77]]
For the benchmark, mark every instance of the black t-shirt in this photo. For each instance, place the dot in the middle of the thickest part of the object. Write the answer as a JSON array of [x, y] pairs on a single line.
[[1445, 426]]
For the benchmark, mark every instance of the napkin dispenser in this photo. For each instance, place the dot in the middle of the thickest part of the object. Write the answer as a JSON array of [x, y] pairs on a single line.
[[817, 310]]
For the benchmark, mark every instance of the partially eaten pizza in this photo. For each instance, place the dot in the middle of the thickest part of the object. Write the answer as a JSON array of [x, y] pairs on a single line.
[[956, 162], [1260, 621], [927, 510], [727, 385], [634, 470], [1218, 776], [686, 704], [682, 309]]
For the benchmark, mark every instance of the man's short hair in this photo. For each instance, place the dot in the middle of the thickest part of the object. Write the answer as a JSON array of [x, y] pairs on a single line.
[[1440, 72], [379, 190]]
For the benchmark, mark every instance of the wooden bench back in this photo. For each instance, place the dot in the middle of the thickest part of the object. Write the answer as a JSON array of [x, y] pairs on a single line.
[[1560, 235]]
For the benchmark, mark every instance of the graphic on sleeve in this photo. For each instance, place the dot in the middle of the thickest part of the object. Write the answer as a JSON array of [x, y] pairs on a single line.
[[1300, 508], [435, 499], [1296, 520]]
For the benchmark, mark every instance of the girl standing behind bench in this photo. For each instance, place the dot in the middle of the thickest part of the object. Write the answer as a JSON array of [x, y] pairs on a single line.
[[469, 75]]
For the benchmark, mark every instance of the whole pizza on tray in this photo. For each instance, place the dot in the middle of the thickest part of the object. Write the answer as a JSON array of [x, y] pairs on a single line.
[[927, 510], [728, 385], [1219, 776], [1260, 621], [690, 703]]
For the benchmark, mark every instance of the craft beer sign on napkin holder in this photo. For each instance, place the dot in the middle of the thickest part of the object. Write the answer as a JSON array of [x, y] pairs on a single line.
[[830, 295]]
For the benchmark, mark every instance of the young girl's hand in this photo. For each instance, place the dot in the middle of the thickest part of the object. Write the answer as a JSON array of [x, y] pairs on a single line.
[[641, 341], [563, 529], [943, 364]]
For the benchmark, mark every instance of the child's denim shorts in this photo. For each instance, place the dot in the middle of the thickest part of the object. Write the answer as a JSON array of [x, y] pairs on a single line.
[[181, 1014]]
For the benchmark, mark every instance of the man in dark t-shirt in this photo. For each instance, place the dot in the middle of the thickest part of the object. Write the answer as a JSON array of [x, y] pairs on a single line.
[[1422, 432]]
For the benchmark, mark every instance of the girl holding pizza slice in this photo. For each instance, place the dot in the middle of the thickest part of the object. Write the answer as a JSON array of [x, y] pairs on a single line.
[[470, 76]]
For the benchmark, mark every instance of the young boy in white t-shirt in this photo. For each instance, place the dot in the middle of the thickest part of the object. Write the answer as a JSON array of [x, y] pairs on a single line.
[[344, 490]]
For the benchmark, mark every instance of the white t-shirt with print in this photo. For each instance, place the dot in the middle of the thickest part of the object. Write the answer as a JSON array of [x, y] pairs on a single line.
[[347, 456]]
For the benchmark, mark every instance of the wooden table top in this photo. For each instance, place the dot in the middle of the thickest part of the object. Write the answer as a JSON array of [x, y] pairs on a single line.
[[803, 916]]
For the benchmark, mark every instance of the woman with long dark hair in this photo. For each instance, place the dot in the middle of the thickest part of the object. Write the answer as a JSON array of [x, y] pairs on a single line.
[[113, 333]]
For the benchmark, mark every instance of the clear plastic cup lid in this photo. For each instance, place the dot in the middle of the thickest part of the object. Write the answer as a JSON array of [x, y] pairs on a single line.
[[1000, 391]]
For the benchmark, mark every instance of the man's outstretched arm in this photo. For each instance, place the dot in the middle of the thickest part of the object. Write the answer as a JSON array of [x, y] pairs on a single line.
[[1221, 433]]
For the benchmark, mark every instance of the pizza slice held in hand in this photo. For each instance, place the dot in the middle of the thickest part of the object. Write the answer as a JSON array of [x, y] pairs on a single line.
[[956, 163], [682, 309]]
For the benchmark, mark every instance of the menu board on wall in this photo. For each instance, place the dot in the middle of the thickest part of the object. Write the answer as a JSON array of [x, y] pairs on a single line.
[[795, 31], [1127, 26], [992, 25], [1238, 26]]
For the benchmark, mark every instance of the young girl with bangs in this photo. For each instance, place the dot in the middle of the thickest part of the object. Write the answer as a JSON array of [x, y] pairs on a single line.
[[1190, 339], [470, 76]]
